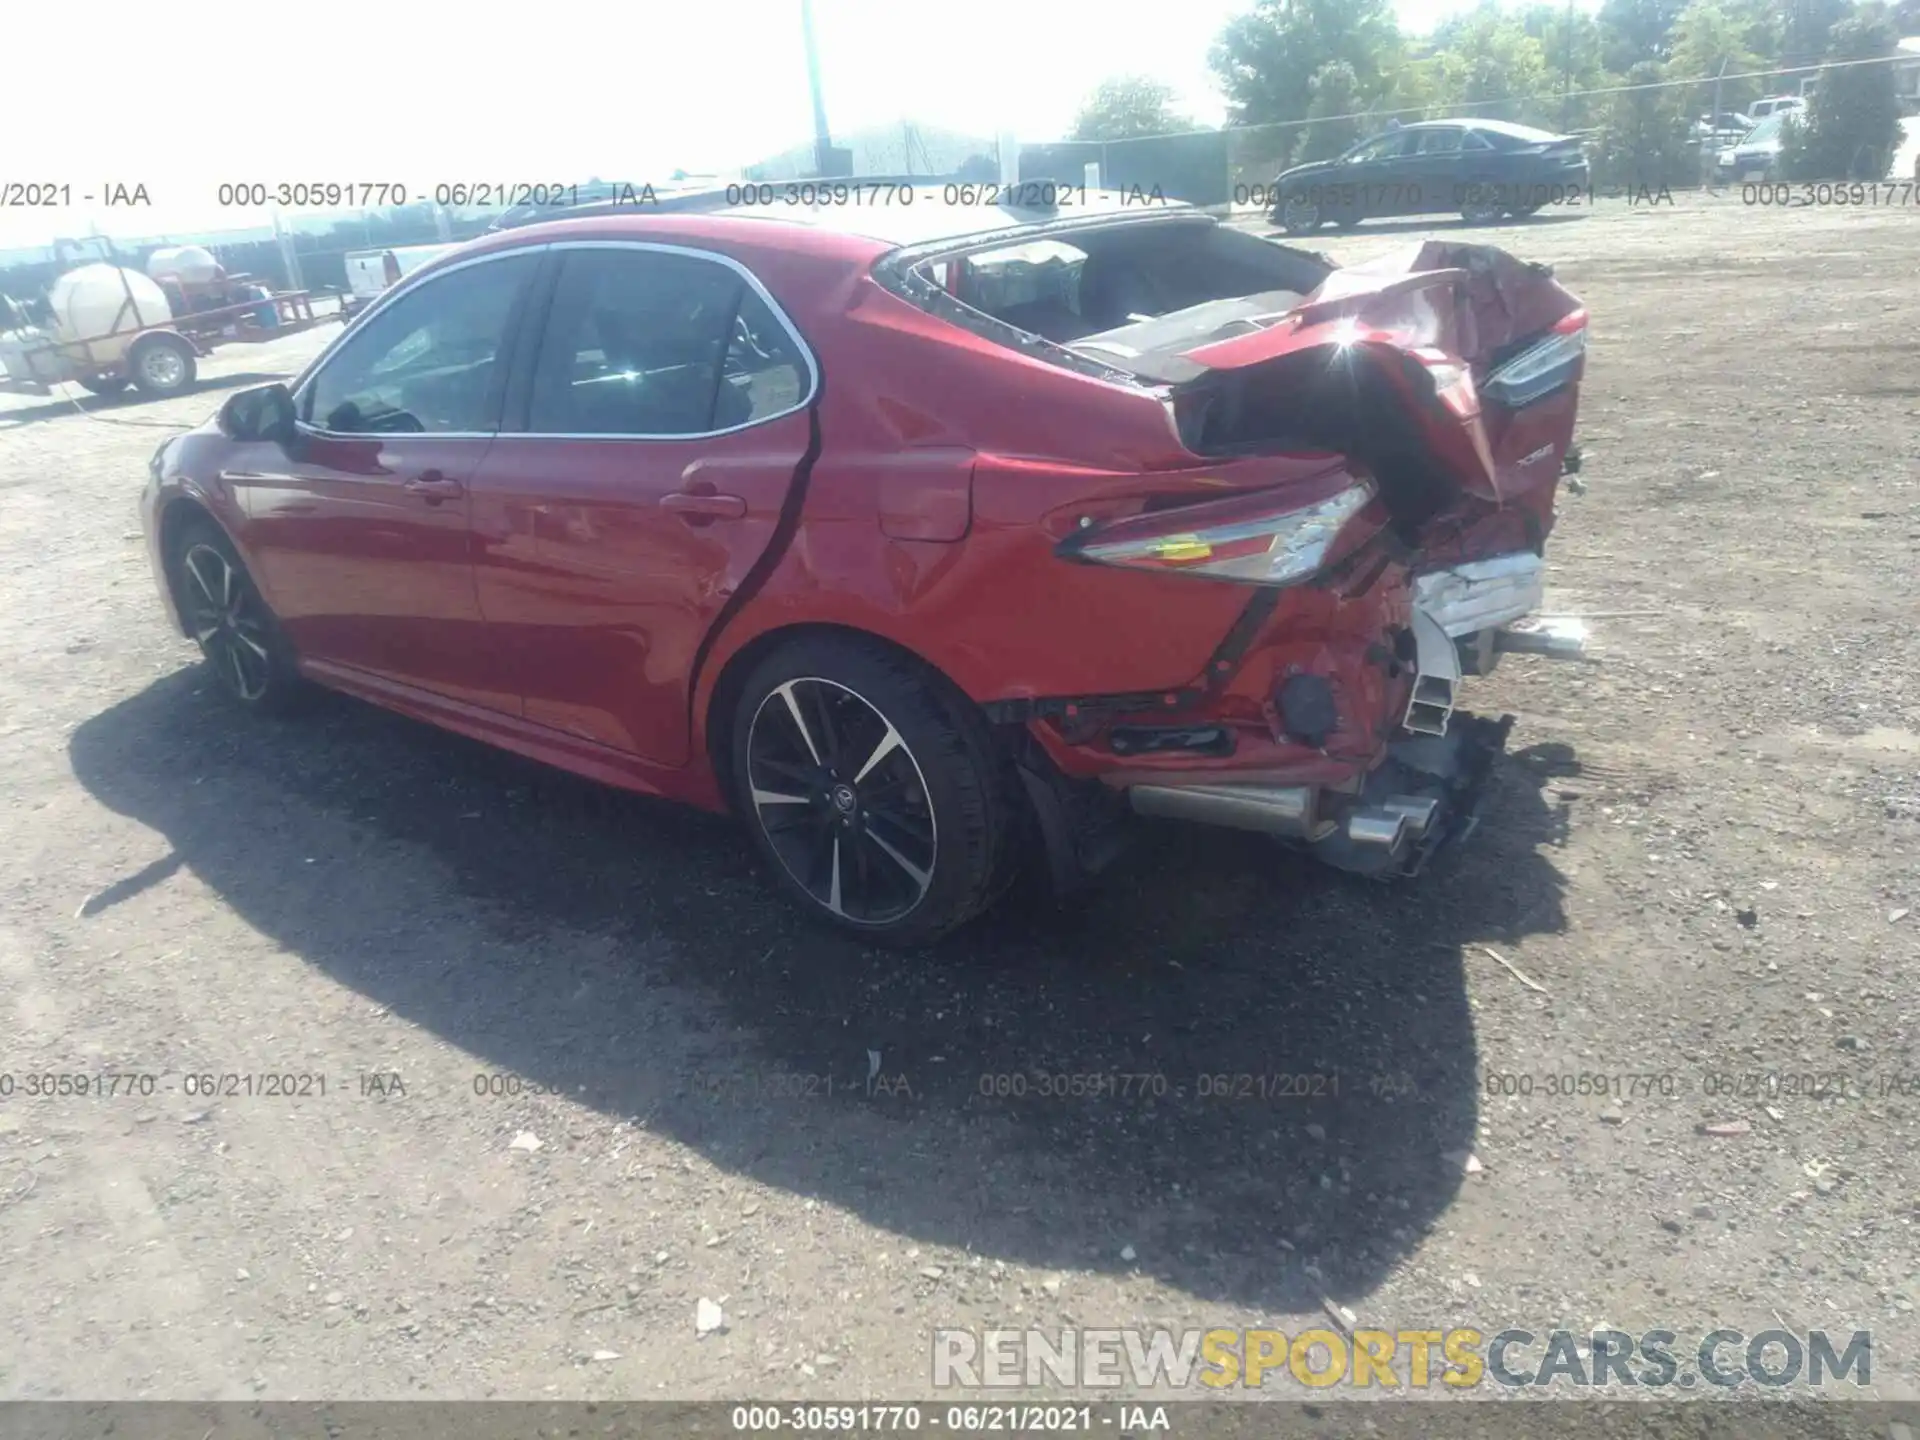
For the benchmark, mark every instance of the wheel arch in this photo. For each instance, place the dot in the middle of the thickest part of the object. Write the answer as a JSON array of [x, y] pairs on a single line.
[[181, 512], [721, 700]]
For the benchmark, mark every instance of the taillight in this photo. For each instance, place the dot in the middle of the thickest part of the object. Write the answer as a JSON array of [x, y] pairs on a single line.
[[1542, 367], [1244, 539]]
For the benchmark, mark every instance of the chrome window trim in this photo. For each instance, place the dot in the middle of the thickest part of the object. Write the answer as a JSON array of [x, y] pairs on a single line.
[[391, 296], [752, 282]]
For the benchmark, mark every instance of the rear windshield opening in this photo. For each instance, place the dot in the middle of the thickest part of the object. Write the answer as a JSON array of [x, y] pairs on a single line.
[[1130, 294]]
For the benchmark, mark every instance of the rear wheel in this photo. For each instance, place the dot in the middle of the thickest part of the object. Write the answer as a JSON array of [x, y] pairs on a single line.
[[876, 795], [162, 365], [1482, 205], [230, 622]]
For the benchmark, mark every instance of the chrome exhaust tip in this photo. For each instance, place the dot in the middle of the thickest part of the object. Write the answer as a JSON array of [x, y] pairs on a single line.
[[1561, 637], [1418, 810], [1384, 828]]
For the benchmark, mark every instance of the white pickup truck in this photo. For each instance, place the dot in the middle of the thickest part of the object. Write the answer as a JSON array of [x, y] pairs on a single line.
[[371, 271]]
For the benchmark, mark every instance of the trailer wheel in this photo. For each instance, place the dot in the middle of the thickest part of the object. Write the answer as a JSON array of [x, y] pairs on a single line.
[[104, 384], [162, 365]]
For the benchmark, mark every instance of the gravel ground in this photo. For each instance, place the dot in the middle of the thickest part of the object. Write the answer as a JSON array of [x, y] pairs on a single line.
[[1702, 854]]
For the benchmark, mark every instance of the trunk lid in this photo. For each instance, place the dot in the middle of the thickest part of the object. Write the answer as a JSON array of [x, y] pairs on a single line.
[[1448, 370]]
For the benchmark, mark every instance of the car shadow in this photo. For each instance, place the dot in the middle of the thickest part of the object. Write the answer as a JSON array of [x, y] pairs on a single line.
[[129, 399], [1229, 1068]]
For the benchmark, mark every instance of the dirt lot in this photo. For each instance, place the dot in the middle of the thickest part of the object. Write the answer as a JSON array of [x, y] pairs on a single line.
[[1705, 851]]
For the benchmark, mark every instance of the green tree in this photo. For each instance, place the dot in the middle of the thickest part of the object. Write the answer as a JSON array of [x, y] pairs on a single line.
[[1637, 30], [1128, 106], [1332, 110], [1853, 119], [1266, 59], [1491, 66], [1709, 39], [1645, 135], [1807, 31]]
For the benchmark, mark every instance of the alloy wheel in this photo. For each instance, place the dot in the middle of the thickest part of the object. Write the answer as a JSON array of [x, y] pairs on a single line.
[[1299, 213], [226, 621], [841, 800]]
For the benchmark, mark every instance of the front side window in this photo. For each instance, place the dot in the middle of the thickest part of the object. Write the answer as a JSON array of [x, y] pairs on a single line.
[[649, 343], [426, 364], [1384, 147]]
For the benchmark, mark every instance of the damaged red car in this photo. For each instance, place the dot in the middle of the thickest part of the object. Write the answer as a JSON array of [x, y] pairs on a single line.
[[925, 538]]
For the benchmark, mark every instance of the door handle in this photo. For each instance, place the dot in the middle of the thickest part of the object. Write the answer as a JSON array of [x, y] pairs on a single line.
[[433, 487], [696, 508]]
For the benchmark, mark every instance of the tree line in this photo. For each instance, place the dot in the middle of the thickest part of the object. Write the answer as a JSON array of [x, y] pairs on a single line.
[[1321, 75]]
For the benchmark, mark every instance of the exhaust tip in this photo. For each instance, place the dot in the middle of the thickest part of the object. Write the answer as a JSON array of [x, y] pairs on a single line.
[[1384, 828]]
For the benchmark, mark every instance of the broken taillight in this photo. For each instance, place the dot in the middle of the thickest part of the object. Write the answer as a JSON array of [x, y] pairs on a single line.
[[1542, 367], [1247, 539]]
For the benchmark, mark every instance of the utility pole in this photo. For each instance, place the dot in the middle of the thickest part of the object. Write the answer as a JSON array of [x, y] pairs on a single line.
[[822, 141], [1566, 84]]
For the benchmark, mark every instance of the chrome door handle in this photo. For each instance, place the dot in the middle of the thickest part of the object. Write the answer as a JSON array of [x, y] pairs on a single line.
[[691, 506], [433, 487]]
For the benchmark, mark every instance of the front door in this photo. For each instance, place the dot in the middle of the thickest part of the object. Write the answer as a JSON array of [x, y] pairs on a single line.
[[645, 460], [361, 540]]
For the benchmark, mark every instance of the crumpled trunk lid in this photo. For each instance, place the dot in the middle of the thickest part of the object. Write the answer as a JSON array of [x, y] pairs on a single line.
[[1401, 363]]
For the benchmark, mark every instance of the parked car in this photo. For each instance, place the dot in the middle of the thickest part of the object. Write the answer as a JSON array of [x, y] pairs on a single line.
[[1724, 128], [923, 538], [1483, 169], [1761, 109], [370, 272], [1757, 157]]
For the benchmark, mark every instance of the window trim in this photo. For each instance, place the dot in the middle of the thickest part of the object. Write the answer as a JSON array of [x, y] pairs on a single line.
[[753, 283], [394, 294]]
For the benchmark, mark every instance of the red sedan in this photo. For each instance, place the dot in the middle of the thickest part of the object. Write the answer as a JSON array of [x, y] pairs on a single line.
[[922, 537]]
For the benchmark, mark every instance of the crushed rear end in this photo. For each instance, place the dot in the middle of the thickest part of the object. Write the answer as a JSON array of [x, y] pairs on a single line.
[[1373, 461]]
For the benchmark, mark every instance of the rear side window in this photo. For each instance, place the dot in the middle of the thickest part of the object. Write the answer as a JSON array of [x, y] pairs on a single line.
[[1439, 142], [427, 363], [650, 343]]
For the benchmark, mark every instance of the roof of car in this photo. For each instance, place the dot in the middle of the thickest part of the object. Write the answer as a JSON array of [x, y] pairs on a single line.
[[1498, 127], [885, 218]]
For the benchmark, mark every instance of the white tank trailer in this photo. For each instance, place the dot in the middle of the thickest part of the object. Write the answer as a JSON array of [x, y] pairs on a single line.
[[96, 313]]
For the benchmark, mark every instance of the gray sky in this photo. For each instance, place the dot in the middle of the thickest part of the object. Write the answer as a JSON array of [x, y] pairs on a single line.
[[423, 93]]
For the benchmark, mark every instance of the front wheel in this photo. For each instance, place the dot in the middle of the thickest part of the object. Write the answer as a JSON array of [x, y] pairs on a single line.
[[1297, 215], [875, 794], [230, 622]]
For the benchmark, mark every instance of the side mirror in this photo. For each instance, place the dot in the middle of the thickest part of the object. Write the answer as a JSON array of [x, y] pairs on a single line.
[[262, 413]]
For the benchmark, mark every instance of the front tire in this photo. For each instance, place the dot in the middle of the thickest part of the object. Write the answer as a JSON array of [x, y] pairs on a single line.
[[228, 619], [874, 792], [1297, 215]]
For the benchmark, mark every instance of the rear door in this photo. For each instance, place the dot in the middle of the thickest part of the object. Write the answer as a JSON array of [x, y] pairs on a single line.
[[1431, 172], [652, 438]]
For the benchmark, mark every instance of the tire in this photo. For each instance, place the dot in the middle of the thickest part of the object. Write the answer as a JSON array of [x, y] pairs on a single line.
[[103, 384], [1297, 215], [242, 642], [161, 365], [1477, 211], [874, 791]]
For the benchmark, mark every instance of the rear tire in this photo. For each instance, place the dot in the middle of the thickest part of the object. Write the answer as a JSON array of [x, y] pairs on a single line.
[[228, 619], [162, 366], [873, 790]]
